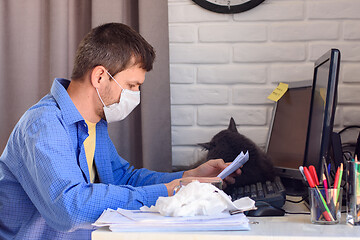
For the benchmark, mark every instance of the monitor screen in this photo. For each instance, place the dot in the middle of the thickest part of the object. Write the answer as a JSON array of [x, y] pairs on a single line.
[[322, 110], [287, 137]]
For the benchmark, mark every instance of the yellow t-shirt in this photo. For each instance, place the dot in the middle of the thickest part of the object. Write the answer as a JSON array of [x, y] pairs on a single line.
[[89, 145]]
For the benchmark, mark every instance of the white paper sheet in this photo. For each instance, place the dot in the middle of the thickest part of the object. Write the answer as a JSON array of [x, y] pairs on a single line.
[[240, 160]]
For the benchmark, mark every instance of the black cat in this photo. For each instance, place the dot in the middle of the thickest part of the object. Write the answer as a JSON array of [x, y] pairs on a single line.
[[227, 144]]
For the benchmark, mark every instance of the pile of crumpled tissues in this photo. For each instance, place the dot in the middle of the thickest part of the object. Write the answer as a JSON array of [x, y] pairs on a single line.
[[198, 199]]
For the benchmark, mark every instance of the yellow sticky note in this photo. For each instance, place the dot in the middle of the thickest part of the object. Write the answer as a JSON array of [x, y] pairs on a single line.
[[278, 92], [323, 94]]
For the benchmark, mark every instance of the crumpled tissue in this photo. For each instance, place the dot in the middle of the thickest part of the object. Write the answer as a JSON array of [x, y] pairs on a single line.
[[198, 199]]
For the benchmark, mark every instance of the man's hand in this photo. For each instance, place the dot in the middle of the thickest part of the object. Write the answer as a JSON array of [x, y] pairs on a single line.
[[171, 186], [212, 168]]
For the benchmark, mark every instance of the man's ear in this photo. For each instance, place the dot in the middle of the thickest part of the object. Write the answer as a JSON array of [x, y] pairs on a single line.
[[97, 74]]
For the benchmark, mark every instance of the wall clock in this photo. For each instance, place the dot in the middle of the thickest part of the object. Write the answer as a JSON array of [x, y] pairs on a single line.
[[228, 6]]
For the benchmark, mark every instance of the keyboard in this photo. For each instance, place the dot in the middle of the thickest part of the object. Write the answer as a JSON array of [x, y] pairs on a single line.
[[270, 192]]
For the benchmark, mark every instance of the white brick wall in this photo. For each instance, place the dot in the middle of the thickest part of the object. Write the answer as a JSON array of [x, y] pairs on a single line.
[[224, 65]]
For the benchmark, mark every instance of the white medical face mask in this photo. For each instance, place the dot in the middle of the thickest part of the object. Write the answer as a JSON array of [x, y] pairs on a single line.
[[118, 111]]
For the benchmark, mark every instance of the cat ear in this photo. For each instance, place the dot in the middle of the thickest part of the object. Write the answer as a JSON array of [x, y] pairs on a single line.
[[232, 125], [206, 146]]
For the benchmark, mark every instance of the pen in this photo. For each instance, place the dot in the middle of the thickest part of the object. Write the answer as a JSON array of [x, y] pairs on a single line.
[[326, 188], [339, 183], [326, 212], [314, 175], [336, 182], [301, 169], [326, 171], [308, 177]]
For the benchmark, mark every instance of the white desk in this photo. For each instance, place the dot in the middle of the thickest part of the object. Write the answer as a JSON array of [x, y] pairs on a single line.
[[294, 227]]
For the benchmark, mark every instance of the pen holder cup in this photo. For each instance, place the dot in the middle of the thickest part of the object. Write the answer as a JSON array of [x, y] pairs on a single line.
[[353, 192], [325, 205]]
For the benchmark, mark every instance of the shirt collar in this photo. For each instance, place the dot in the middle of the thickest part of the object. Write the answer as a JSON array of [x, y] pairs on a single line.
[[69, 111], [61, 96]]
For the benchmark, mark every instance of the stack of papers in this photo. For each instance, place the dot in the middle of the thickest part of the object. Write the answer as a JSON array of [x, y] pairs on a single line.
[[240, 160], [145, 220], [121, 220]]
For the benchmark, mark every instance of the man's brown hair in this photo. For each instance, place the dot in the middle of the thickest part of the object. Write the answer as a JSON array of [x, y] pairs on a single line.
[[116, 47]]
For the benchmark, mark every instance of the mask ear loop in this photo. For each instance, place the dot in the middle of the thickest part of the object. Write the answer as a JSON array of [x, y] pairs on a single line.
[[100, 97], [115, 80], [97, 91]]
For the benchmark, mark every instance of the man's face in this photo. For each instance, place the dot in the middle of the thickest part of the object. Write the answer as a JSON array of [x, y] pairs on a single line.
[[131, 78]]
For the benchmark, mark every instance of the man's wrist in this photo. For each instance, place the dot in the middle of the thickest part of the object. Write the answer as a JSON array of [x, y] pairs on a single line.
[[189, 173]]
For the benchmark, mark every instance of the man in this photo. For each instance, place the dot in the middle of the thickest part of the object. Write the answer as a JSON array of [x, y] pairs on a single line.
[[59, 169]]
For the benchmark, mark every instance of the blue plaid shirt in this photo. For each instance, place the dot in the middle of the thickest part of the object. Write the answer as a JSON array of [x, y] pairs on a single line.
[[45, 189]]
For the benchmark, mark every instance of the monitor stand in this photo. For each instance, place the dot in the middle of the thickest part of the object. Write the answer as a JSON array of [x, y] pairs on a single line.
[[294, 187]]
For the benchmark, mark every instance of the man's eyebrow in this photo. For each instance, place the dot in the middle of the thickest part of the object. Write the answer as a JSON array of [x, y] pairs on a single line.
[[136, 82]]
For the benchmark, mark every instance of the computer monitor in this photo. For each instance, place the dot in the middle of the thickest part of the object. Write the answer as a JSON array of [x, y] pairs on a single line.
[[322, 110], [288, 130], [302, 123]]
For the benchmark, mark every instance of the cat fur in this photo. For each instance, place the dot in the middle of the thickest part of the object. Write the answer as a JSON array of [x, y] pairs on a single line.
[[228, 143]]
